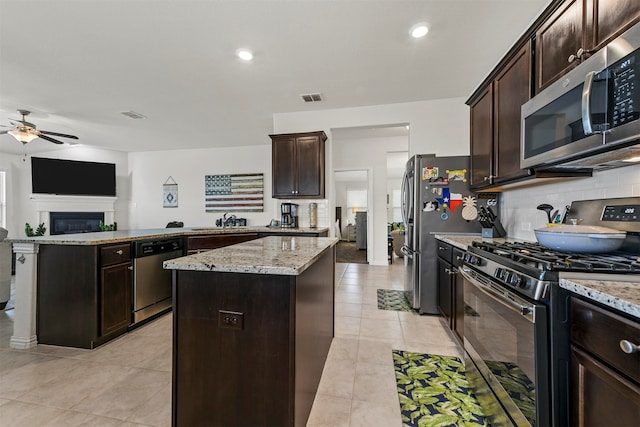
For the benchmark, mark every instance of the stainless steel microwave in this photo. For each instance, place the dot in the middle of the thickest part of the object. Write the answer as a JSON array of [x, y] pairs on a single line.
[[591, 116]]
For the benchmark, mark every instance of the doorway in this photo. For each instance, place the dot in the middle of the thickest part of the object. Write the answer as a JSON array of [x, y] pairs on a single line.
[[352, 204]]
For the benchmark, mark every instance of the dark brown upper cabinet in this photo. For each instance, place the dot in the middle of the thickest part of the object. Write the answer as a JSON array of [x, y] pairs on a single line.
[[495, 123], [298, 165], [577, 29]]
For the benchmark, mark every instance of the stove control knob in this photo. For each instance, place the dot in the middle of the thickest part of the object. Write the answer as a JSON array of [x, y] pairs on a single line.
[[515, 280], [498, 273]]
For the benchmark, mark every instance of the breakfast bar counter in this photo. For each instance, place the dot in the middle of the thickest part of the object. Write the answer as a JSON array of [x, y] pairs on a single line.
[[253, 323]]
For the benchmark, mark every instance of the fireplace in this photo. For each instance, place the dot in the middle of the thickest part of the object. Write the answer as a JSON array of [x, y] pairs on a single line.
[[74, 222]]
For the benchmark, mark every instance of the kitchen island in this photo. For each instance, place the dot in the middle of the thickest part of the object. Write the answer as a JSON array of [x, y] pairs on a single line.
[[75, 289], [253, 324]]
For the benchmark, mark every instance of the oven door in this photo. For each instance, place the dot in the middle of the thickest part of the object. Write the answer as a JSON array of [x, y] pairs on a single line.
[[505, 338]]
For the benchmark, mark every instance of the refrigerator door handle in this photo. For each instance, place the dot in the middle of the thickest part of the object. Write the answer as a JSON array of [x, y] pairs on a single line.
[[403, 198], [407, 251]]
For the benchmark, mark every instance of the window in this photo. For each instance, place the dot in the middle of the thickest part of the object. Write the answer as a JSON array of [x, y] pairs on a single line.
[[356, 201]]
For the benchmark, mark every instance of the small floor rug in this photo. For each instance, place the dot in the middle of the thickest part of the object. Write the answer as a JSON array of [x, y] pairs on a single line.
[[433, 391], [346, 252], [389, 299]]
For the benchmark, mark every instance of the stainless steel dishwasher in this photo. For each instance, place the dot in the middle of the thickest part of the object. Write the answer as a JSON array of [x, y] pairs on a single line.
[[152, 283]]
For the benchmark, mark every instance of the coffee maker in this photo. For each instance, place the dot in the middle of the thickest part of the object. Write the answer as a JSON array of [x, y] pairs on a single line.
[[289, 213]]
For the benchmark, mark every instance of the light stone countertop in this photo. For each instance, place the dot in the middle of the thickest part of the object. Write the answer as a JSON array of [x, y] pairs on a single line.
[[461, 241], [622, 296], [279, 255], [106, 237]]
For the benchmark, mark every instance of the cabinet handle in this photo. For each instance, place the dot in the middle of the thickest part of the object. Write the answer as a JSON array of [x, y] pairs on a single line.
[[118, 252], [487, 178], [130, 267], [629, 347], [450, 271], [578, 55]]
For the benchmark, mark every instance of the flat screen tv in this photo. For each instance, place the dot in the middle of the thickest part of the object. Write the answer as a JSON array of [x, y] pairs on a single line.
[[71, 177]]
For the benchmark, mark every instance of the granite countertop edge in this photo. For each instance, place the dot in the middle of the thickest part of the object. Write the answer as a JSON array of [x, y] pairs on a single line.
[[277, 255], [622, 296], [107, 237]]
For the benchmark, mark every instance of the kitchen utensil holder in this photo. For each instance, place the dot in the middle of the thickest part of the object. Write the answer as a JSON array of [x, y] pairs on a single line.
[[494, 232]]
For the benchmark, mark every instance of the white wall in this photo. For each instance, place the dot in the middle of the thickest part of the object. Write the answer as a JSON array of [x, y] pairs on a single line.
[[150, 170], [437, 126], [519, 206], [21, 209]]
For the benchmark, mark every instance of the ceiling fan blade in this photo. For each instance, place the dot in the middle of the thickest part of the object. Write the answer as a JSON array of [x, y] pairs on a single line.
[[46, 132], [55, 141]]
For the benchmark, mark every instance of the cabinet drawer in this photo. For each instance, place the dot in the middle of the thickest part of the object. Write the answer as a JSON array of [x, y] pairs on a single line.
[[218, 241], [599, 332], [115, 254], [444, 250]]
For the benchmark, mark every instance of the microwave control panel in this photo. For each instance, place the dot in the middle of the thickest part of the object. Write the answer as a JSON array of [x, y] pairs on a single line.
[[626, 96]]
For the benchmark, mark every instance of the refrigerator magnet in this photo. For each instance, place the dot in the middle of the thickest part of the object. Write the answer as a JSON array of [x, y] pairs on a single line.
[[444, 216], [457, 175], [430, 206], [429, 172]]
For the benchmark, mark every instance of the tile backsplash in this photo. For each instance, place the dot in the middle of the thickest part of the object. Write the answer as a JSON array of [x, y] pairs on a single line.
[[518, 211]]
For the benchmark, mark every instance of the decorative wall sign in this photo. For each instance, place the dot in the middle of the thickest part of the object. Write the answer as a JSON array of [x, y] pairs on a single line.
[[234, 193], [170, 193]]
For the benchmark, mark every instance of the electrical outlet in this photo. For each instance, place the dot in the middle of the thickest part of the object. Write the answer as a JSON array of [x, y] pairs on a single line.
[[230, 319], [525, 226]]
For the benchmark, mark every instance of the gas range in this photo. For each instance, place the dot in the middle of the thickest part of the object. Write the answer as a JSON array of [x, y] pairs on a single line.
[[528, 268]]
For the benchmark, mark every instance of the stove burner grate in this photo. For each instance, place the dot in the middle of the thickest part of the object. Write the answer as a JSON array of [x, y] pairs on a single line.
[[538, 256]]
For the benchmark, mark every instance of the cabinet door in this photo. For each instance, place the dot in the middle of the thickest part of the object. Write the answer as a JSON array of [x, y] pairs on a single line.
[[607, 19], [115, 298], [284, 166], [310, 165], [482, 138], [599, 395], [457, 319], [557, 39], [511, 89], [445, 293]]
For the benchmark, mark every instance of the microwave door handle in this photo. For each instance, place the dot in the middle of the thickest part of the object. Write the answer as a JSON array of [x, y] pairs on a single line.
[[586, 103]]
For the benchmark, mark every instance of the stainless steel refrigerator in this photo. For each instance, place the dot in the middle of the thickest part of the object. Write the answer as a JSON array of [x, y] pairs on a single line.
[[435, 195]]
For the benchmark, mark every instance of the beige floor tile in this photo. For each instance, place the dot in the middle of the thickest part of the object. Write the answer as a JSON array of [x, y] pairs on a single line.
[[344, 348], [123, 398], [72, 419], [349, 297], [20, 414], [337, 378], [16, 382], [375, 414], [375, 383], [156, 411], [380, 328], [427, 332], [347, 326], [370, 311], [439, 349], [329, 411], [378, 351], [348, 309]]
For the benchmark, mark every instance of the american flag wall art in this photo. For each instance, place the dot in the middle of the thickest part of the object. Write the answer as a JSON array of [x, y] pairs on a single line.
[[234, 193]]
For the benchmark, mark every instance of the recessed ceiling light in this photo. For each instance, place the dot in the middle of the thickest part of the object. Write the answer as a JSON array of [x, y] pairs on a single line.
[[244, 54], [418, 31]]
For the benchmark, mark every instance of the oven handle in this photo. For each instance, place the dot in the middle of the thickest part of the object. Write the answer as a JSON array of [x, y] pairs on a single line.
[[501, 296]]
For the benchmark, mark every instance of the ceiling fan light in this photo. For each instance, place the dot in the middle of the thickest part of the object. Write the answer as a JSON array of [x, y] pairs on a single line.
[[22, 136]]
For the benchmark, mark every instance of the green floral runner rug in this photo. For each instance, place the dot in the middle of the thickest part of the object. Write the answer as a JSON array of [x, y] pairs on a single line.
[[389, 299], [433, 391]]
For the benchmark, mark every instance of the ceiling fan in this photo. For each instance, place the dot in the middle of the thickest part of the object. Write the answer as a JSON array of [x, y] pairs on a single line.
[[25, 132]]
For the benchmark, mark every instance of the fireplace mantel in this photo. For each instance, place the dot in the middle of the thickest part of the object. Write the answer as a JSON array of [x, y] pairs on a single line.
[[47, 203]]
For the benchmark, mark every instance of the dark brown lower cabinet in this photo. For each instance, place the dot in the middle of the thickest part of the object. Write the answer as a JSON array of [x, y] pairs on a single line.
[[115, 297], [450, 296], [605, 381], [84, 294], [600, 395], [249, 349]]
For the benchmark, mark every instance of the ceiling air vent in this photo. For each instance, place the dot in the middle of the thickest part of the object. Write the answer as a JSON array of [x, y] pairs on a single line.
[[312, 97], [133, 115]]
